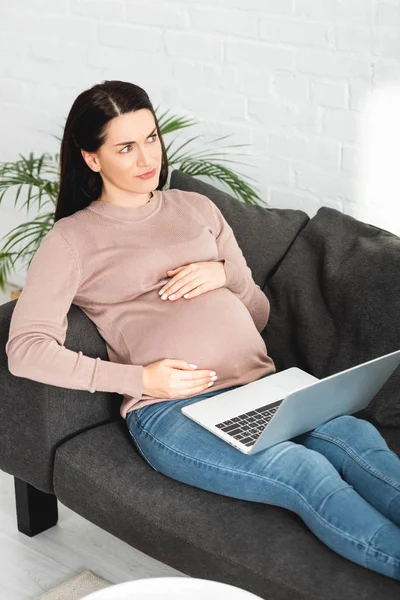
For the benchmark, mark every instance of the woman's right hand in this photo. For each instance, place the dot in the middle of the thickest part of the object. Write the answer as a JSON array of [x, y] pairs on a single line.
[[173, 378]]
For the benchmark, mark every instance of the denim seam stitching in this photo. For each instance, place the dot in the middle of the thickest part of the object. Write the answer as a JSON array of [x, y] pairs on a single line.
[[141, 452], [390, 503], [358, 458], [391, 559], [139, 448]]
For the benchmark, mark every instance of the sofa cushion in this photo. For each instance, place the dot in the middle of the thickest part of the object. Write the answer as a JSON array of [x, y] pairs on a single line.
[[335, 303], [260, 547]]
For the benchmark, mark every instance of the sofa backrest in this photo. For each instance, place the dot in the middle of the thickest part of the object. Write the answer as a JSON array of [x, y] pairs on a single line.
[[335, 303]]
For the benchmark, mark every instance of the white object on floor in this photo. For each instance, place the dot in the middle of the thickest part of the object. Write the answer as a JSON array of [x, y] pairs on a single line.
[[172, 588], [77, 588]]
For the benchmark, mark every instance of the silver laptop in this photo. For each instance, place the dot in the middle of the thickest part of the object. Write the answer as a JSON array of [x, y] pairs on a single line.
[[280, 406]]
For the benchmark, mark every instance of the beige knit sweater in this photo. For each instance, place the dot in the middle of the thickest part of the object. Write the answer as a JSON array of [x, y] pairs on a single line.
[[111, 261]]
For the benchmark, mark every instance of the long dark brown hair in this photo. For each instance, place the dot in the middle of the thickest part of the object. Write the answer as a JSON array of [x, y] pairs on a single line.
[[85, 129]]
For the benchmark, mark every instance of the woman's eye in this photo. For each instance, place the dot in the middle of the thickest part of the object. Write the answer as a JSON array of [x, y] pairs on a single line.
[[129, 145]]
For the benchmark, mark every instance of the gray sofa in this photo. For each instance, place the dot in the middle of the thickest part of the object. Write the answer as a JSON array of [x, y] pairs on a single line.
[[334, 287]]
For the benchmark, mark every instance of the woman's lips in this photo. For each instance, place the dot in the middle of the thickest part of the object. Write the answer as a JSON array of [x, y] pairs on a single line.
[[148, 175]]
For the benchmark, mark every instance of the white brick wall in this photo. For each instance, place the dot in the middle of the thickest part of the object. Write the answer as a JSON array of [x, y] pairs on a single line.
[[290, 77]]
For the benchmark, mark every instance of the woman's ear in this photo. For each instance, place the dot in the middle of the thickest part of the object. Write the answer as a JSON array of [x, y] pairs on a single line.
[[90, 159]]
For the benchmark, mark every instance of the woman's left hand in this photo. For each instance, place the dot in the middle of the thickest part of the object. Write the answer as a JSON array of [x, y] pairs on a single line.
[[194, 279]]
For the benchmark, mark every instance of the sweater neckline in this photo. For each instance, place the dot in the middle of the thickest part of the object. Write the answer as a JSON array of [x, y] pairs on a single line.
[[125, 213]]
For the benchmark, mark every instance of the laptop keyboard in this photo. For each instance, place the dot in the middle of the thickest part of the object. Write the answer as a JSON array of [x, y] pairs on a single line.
[[248, 427]]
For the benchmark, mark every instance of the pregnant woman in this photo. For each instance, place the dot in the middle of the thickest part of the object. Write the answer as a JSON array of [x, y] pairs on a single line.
[[162, 277]]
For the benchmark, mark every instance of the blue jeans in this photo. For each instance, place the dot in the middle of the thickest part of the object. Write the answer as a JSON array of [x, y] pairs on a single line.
[[340, 478]]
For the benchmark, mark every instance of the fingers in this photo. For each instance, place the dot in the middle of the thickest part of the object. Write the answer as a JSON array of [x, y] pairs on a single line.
[[199, 376], [197, 389], [180, 288], [199, 383]]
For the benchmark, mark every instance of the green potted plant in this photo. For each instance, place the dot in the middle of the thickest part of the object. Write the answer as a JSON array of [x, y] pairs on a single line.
[[38, 176]]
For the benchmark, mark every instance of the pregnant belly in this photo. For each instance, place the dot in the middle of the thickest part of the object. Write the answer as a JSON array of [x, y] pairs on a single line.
[[214, 331]]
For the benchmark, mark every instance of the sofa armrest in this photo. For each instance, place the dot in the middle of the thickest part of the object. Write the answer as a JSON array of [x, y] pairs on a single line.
[[35, 418]]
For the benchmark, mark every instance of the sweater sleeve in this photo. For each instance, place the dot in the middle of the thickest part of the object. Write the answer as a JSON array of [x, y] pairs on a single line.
[[239, 277], [35, 346]]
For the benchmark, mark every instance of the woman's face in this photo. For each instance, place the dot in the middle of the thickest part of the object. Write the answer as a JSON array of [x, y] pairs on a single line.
[[131, 148]]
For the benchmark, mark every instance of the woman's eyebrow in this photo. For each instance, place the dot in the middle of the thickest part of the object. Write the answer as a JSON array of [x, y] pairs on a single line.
[[123, 143]]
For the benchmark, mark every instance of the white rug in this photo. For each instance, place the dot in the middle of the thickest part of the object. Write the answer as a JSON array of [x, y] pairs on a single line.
[[76, 588]]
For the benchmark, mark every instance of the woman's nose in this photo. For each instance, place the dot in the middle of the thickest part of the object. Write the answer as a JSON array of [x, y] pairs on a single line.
[[143, 157]]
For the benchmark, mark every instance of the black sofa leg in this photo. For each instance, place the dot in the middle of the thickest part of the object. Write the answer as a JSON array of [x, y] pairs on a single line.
[[36, 510]]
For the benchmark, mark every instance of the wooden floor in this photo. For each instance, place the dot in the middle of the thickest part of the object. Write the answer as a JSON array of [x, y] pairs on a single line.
[[31, 566]]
